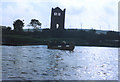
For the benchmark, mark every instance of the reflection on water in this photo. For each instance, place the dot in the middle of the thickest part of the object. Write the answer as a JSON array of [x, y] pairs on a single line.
[[40, 63]]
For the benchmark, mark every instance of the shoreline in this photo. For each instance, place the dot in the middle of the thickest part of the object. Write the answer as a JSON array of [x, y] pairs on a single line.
[[46, 45]]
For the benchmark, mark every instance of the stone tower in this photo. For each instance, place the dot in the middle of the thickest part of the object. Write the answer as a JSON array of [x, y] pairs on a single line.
[[57, 19]]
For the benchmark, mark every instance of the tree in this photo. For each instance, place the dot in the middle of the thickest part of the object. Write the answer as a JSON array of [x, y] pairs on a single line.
[[35, 23], [8, 28], [18, 25]]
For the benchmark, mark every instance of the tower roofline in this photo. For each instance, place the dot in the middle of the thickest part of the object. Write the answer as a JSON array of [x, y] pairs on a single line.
[[58, 9]]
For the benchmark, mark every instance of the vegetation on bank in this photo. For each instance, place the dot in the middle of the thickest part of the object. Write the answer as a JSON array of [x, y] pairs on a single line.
[[81, 38]]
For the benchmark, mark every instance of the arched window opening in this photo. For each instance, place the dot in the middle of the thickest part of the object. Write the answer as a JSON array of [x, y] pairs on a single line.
[[57, 26]]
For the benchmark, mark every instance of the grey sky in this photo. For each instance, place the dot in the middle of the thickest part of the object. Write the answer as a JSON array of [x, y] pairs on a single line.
[[89, 13]]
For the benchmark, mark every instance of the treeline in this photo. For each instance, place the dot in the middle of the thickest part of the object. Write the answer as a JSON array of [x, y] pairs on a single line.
[[79, 37], [80, 34]]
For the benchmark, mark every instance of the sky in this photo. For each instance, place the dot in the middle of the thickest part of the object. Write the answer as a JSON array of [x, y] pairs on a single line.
[[80, 14]]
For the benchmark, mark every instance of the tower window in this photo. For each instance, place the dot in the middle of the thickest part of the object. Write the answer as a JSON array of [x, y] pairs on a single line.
[[59, 14], [55, 14]]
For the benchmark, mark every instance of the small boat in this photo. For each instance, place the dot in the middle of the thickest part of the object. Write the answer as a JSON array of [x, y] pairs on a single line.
[[69, 47]]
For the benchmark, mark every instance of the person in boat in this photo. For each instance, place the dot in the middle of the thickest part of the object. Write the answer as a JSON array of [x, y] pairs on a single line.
[[64, 44], [54, 43], [72, 46]]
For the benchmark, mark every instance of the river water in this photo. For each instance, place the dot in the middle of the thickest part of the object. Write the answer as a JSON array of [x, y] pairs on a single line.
[[40, 63]]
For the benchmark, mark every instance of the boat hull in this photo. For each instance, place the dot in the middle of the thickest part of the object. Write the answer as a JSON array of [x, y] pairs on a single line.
[[66, 47]]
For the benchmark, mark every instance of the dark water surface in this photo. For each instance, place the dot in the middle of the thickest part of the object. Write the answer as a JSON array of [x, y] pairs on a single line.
[[40, 63]]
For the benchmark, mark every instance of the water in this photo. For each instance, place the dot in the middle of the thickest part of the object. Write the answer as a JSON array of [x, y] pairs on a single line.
[[40, 63]]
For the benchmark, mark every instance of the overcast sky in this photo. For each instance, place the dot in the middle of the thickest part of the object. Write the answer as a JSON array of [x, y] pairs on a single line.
[[94, 14]]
